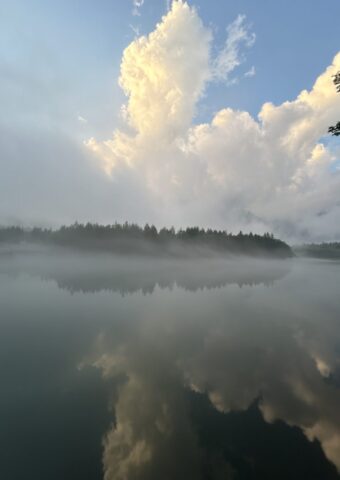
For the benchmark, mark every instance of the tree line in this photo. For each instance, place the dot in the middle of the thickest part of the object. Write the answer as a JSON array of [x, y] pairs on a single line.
[[329, 250], [130, 237]]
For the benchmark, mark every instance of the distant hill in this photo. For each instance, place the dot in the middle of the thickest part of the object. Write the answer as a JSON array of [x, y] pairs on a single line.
[[319, 250], [132, 239]]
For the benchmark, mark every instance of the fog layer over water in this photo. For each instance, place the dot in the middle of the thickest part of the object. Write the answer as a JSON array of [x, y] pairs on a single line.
[[132, 368]]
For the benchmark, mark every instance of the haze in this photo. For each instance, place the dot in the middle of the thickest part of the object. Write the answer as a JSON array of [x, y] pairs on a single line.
[[171, 113]]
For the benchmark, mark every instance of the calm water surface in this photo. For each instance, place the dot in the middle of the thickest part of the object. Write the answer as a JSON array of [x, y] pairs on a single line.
[[141, 369]]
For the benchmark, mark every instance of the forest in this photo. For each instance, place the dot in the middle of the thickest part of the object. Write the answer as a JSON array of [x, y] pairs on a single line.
[[329, 250], [131, 238]]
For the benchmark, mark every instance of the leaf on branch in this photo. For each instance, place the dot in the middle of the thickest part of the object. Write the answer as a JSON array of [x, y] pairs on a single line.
[[335, 130], [336, 80]]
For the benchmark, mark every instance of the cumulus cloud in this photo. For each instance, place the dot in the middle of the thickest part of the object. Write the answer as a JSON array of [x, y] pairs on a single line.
[[270, 172], [162, 81]]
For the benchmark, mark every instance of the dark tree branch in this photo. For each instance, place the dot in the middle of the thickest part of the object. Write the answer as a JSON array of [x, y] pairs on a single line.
[[336, 81], [335, 129]]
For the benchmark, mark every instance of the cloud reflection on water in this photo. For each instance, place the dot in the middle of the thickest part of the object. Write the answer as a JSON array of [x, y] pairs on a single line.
[[197, 350]]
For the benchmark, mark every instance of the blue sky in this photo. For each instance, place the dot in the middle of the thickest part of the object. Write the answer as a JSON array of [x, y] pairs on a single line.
[[71, 50], [60, 62]]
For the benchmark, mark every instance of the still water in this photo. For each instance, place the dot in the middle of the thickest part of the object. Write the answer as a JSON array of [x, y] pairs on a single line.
[[140, 369]]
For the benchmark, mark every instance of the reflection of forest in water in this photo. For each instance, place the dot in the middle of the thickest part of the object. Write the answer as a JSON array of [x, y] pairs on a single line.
[[96, 272], [194, 382]]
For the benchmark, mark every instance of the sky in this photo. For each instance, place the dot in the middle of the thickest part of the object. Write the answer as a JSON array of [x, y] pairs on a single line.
[[177, 113]]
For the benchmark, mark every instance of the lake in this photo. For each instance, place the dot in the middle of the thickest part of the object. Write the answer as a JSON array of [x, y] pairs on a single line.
[[143, 369]]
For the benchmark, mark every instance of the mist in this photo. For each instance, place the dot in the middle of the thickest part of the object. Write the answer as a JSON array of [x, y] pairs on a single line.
[[169, 240], [162, 152], [169, 345]]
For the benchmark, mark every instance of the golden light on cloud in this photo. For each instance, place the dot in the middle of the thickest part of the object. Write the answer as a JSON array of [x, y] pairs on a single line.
[[256, 164]]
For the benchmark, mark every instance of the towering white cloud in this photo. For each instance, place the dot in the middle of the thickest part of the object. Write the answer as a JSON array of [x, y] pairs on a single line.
[[164, 74], [238, 171]]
